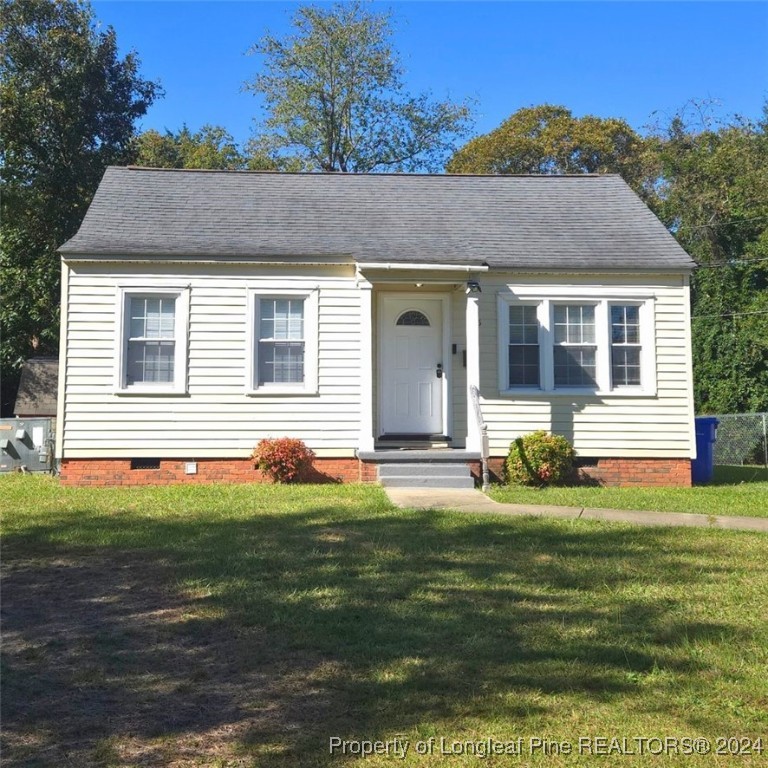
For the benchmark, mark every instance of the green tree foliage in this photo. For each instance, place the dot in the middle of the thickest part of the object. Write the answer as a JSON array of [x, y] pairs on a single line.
[[335, 99], [212, 147], [712, 191], [68, 108], [549, 139]]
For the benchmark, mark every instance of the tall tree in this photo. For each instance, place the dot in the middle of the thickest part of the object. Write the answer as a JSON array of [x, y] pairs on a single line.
[[335, 98], [69, 103], [549, 139], [212, 147], [712, 191]]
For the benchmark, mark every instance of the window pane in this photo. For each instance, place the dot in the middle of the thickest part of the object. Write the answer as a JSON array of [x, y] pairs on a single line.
[[574, 324], [267, 320], [281, 362], [296, 319], [167, 317], [138, 315], [152, 318], [523, 325], [524, 365], [625, 324], [150, 362], [587, 323], [575, 367], [625, 366], [281, 319]]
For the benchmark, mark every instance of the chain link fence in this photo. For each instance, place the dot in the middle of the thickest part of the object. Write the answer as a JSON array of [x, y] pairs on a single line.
[[742, 439]]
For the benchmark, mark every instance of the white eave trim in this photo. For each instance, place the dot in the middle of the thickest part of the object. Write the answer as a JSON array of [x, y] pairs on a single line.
[[420, 266], [244, 261]]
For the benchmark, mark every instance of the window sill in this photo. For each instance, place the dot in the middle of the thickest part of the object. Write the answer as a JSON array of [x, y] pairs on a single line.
[[281, 391], [576, 392], [149, 391]]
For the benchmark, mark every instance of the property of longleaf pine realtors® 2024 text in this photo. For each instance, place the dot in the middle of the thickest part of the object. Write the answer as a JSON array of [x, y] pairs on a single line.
[[399, 747]]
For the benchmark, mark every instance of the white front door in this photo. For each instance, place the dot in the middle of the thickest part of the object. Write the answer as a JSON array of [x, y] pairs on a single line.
[[410, 387]]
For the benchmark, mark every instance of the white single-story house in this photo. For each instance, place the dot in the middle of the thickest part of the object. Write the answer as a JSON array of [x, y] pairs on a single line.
[[205, 310]]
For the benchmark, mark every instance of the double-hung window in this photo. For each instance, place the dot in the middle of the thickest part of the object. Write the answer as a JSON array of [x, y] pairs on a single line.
[[626, 348], [284, 348], [575, 348], [599, 344], [523, 347], [281, 341], [152, 341]]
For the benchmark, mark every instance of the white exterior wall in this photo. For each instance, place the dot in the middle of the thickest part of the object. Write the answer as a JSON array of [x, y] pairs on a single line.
[[216, 418], [609, 425]]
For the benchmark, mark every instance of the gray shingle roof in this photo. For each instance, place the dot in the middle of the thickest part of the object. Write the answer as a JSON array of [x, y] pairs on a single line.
[[538, 222], [38, 387]]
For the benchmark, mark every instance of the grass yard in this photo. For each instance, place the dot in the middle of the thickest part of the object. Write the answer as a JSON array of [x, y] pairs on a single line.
[[734, 491], [248, 625]]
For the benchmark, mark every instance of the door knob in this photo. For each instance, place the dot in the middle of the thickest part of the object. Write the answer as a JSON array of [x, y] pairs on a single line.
[[439, 371]]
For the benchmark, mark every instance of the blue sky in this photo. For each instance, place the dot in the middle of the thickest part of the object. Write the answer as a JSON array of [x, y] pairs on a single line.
[[617, 59]]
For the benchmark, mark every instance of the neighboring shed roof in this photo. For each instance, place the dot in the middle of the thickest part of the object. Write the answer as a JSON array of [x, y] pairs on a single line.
[[538, 222], [38, 387]]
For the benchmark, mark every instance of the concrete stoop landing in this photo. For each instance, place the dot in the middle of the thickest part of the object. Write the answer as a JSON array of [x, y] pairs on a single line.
[[419, 468]]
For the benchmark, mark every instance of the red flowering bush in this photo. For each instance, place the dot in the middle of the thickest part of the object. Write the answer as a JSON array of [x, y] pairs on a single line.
[[283, 458], [539, 459]]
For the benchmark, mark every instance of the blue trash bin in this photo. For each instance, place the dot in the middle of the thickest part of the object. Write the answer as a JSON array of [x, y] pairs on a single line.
[[703, 466]]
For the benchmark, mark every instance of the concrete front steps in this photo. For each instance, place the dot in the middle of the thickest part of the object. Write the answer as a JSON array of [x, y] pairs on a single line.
[[408, 468]]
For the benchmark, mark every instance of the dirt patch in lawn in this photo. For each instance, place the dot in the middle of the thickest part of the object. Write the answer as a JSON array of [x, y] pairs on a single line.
[[106, 661]]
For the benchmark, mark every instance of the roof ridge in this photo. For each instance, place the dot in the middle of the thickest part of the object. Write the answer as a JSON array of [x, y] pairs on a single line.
[[340, 174]]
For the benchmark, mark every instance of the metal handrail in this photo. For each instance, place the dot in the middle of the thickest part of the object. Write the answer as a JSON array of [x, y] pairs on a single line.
[[474, 394]]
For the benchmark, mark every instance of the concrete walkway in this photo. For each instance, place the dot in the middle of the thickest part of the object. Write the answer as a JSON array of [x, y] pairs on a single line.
[[470, 500]]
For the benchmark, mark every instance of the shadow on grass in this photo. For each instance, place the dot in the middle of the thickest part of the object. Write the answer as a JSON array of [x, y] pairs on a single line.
[[276, 632]]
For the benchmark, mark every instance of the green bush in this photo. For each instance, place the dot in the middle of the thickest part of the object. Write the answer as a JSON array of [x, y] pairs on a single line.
[[539, 459]]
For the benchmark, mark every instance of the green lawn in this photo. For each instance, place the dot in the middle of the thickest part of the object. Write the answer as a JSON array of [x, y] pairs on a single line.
[[248, 625], [733, 491]]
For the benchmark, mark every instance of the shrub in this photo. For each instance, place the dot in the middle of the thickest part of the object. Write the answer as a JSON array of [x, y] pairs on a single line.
[[539, 459], [283, 458]]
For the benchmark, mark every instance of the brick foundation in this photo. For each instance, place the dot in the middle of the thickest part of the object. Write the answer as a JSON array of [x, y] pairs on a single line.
[[641, 472], [108, 472], [617, 472], [105, 472]]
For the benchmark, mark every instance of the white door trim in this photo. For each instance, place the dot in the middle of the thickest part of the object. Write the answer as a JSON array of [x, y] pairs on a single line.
[[446, 381]]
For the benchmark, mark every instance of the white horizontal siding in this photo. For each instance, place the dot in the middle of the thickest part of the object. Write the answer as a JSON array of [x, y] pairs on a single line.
[[216, 418], [611, 425]]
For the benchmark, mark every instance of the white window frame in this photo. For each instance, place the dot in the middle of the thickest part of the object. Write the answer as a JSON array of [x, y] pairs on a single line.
[[574, 345], [504, 360], [180, 295], [641, 343], [545, 299], [310, 384]]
